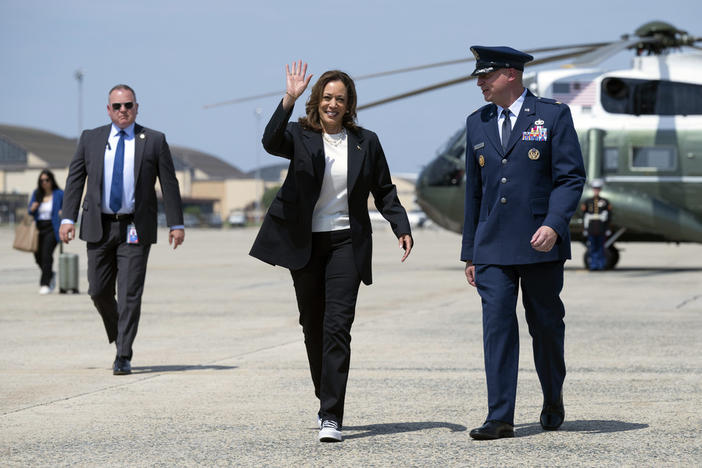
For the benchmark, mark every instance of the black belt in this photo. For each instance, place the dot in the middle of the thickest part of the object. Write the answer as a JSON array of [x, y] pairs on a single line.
[[118, 216]]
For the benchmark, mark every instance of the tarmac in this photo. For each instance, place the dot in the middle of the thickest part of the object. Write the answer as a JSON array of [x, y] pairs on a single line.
[[221, 378]]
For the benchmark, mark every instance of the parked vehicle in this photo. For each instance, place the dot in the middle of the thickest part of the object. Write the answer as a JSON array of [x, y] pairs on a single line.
[[237, 219]]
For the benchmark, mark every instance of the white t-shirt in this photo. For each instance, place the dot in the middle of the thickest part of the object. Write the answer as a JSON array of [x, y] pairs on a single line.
[[331, 213], [44, 210]]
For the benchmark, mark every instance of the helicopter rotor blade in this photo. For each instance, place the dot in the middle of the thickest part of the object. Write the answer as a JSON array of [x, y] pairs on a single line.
[[415, 92], [244, 99], [463, 79], [411, 69], [407, 70], [472, 59], [602, 53]]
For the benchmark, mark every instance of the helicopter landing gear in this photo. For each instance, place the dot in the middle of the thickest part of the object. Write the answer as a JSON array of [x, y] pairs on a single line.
[[611, 257]]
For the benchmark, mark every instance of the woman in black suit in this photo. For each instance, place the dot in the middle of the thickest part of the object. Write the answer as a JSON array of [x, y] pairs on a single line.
[[318, 224]]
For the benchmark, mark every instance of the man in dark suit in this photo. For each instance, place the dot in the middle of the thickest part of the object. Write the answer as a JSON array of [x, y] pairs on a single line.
[[121, 162], [524, 178]]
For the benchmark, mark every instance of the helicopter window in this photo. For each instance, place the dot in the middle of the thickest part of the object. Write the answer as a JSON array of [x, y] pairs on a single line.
[[678, 98], [650, 97], [444, 172], [457, 151], [654, 158], [611, 160], [455, 145]]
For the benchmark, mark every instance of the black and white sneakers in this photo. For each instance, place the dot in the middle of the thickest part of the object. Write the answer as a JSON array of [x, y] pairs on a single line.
[[330, 431]]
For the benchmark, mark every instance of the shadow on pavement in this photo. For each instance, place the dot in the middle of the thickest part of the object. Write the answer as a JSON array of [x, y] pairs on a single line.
[[652, 270], [594, 426], [397, 428], [176, 368]]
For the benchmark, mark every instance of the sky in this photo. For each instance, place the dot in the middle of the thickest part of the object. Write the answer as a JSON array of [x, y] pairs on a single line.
[[180, 56]]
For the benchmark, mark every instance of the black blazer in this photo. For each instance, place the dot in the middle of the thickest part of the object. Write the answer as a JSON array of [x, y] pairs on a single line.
[[152, 159], [285, 238]]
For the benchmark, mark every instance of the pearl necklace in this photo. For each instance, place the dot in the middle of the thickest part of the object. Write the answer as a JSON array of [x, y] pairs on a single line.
[[335, 139]]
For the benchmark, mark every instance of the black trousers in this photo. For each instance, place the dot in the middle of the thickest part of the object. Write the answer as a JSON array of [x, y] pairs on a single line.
[[114, 262], [326, 290], [44, 256]]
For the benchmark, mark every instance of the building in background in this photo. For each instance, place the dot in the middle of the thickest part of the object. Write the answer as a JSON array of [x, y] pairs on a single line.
[[212, 189], [208, 185]]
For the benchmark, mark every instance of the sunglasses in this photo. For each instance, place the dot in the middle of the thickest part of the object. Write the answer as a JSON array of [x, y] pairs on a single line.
[[118, 105]]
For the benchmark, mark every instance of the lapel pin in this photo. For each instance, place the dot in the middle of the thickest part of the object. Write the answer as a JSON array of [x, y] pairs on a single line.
[[526, 110], [539, 122], [358, 146], [142, 136]]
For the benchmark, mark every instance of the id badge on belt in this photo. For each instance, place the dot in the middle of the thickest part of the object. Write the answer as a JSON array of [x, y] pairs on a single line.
[[132, 236]]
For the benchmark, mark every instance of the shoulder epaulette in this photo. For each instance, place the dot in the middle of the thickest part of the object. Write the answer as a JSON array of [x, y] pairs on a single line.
[[476, 110], [548, 100], [484, 108]]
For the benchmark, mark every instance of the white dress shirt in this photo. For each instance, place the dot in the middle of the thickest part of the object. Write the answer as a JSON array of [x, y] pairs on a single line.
[[128, 172], [514, 110], [331, 212]]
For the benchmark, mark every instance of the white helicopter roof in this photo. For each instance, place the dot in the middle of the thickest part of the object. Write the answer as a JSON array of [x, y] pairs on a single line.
[[580, 89], [682, 67]]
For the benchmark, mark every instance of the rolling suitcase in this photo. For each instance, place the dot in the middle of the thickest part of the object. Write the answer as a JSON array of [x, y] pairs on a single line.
[[68, 272]]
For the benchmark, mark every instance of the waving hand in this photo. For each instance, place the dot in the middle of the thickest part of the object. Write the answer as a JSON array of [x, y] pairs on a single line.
[[295, 83]]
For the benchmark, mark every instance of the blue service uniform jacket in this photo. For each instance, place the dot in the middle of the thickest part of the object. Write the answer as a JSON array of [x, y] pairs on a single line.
[[536, 181]]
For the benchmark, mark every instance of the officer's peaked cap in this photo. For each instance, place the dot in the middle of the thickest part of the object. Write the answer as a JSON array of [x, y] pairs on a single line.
[[596, 183], [489, 59]]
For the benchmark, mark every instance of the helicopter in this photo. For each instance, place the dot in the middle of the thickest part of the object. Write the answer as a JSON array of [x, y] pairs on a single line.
[[639, 130]]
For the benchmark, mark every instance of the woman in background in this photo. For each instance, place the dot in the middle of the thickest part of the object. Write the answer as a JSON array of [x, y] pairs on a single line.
[[45, 206]]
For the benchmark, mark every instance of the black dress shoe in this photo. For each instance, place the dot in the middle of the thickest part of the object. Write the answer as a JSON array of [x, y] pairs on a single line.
[[121, 366], [492, 430], [552, 415]]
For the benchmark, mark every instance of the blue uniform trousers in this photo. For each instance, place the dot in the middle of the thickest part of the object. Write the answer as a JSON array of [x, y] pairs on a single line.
[[595, 249], [498, 286]]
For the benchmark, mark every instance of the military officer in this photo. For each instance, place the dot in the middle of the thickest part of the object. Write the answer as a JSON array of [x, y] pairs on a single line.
[[597, 212], [524, 178]]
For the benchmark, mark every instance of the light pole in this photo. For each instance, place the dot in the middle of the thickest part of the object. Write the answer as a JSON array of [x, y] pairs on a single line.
[[79, 77], [259, 182]]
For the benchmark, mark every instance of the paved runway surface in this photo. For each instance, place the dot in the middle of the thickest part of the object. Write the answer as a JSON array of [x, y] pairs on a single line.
[[221, 379]]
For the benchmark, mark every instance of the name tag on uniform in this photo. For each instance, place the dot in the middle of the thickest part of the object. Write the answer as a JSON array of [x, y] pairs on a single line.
[[536, 133], [132, 236], [478, 146]]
